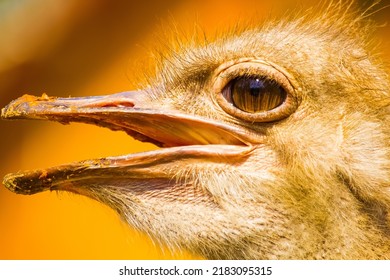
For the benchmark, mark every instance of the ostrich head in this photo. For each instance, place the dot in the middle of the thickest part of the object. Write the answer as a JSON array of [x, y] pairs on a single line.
[[275, 144]]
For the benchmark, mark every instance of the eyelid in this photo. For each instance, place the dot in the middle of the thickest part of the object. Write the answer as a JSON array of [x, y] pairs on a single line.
[[255, 67]]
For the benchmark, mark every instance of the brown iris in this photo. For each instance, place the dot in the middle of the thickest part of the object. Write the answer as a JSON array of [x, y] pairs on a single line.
[[254, 94]]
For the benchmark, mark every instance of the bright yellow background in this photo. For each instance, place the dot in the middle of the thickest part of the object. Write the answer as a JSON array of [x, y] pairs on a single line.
[[76, 48]]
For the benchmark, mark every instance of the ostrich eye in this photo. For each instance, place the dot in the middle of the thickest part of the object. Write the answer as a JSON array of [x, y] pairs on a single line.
[[254, 90], [254, 94]]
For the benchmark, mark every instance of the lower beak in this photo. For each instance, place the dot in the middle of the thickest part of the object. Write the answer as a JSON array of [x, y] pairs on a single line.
[[185, 137]]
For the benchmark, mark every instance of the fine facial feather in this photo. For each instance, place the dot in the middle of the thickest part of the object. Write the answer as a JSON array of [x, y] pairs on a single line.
[[312, 185]]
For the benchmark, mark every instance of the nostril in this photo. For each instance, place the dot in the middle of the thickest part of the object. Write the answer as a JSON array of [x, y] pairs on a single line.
[[119, 104], [112, 104]]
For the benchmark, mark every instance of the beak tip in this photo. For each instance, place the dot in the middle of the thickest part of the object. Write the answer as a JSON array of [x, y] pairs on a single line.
[[17, 183], [9, 112], [3, 113], [15, 109], [23, 107], [9, 183]]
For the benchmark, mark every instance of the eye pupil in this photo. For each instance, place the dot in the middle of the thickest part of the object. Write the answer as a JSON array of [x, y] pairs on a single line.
[[255, 94], [255, 87]]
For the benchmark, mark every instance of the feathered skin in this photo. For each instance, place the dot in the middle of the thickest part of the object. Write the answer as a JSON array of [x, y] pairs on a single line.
[[311, 181]]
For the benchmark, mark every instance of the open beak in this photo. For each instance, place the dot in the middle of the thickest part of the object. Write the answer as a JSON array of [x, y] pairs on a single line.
[[185, 138]]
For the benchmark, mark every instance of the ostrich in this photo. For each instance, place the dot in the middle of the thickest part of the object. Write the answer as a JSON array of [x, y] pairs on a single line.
[[274, 145]]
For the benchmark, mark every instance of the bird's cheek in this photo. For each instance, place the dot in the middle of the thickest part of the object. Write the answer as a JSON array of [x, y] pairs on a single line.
[[122, 193]]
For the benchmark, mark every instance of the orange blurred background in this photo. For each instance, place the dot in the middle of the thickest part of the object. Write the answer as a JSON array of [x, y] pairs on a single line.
[[89, 47]]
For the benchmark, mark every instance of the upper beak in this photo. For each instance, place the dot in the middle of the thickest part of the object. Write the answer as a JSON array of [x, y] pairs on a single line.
[[141, 117], [133, 112]]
